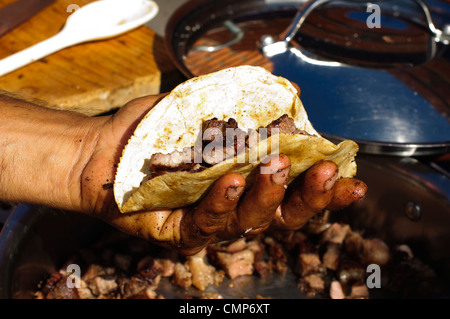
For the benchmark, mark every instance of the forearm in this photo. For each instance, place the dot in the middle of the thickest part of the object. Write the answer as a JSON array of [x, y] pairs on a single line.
[[42, 152]]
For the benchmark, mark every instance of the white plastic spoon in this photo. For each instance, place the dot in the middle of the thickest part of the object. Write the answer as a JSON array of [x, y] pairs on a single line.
[[95, 21]]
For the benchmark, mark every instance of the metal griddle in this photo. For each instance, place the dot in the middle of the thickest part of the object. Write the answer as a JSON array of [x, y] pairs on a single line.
[[37, 241]]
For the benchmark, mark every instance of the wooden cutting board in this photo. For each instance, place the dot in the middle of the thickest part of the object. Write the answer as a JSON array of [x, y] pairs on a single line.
[[91, 78]]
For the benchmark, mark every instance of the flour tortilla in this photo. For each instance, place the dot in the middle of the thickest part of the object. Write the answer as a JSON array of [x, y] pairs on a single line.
[[252, 96]]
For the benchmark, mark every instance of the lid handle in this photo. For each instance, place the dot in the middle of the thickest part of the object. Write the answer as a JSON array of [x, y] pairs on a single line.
[[309, 6]]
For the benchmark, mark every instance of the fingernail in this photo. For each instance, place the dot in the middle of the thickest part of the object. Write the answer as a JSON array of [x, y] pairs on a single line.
[[234, 192], [329, 183], [281, 177]]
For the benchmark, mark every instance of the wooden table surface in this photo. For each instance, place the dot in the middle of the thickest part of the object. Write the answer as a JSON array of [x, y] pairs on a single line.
[[92, 78]]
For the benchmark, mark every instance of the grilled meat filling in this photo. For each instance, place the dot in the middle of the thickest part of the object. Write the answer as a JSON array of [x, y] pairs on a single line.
[[219, 140]]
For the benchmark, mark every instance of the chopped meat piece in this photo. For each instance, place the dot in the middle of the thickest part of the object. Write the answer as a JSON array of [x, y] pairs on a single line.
[[336, 233], [263, 269], [336, 291], [280, 267], [253, 138], [84, 292], [218, 277], [277, 255], [92, 286], [166, 265], [167, 260], [315, 281], [236, 246], [310, 264], [256, 247], [240, 244], [202, 272], [237, 264], [95, 270], [92, 273], [60, 290], [131, 287], [375, 252], [213, 155], [213, 129], [354, 244], [53, 280], [284, 124], [301, 242], [276, 250], [312, 285], [359, 291], [181, 276], [221, 140], [331, 256], [105, 284], [174, 162], [237, 257]]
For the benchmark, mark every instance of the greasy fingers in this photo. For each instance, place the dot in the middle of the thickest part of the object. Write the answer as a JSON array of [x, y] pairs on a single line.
[[200, 224], [313, 193], [257, 208], [346, 192], [212, 213], [317, 189]]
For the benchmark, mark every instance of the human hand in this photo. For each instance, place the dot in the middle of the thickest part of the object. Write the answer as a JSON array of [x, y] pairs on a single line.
[[228, 211]]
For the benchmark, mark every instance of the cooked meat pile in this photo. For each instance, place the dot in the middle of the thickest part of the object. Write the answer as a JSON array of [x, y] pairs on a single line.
[[328, 260], [218, 141]]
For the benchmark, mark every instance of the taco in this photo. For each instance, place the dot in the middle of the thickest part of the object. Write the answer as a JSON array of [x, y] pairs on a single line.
[[165, 164]]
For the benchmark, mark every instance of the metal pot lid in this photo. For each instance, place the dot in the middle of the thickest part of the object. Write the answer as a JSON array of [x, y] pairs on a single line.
[[379, 75]]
